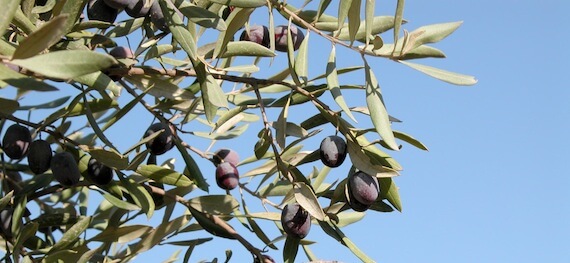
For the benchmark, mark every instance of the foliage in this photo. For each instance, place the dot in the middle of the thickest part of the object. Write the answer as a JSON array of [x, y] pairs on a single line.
[[47, 46]]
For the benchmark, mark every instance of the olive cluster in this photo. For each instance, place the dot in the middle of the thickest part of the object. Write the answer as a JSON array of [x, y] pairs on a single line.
[[17, 143], [260, 35], [225, 160], [108, 10], [361, 190]]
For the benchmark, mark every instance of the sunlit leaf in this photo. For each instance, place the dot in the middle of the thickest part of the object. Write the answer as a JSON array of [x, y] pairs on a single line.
[[67, 63], [7, 11], [447, 76], [41, 39], [307, 199], [70, 236], [378, 112], [164, 175]]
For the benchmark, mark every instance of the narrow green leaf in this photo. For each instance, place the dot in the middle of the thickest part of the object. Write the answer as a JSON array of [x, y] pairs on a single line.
[[122, 112], [353, 19], [7, 107], [398, 18], [210, 224], [160, 87], [41, 39], [343, 10], [433, 33], [192, 169], [235, 132], [48, 105], [22, 21], [179, 31], [158, 234], [229, 117], [214, 204], [262, 145], [71, 235], [389, 191], [7, 12], [237, 18], [333, 84], [447, 76], [164, 175], [67, 63], [369, 18], [120, 203], [110, 158], [241, 3], [411, 140], [201, 16], [244, 49], [126, 27], [73, 9], [100, 82], [363, 163], [307, 199], [377, 109], [139, 194], [290, 249], [21, 81], [301, 61], [5, 200]]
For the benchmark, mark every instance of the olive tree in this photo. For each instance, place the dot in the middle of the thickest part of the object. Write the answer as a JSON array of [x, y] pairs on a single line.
[[186, 65]]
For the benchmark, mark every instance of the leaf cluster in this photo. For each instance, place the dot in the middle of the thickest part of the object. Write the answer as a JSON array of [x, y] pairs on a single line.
[[47, 47]]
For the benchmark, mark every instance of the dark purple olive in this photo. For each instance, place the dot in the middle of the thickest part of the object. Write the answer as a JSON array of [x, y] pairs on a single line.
[[157, 16], [64, 168], [98, 172], [363, 190], [118, 4], [39, 157], [257, 34], [226, 155], [333, 151], [137, 9], [227, 176], [16, 141], [99, 11], [281, 33], [295, 220], [163, 142], [121, 52]]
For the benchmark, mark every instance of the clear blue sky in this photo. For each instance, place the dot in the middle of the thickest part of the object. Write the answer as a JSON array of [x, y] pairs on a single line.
[[494, 185]]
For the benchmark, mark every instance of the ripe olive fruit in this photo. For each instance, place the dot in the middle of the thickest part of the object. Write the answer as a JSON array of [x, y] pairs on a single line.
[[98, 172], [257, 34], [137, 9], [363, 190], [121, 52], [39, 157], [157, 16], [281, 33], [333, 151], [227, 176], [226, 155], [118, 4], [161, 143], [65, 169], [16, 141], [98, 10], [296, 221]]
